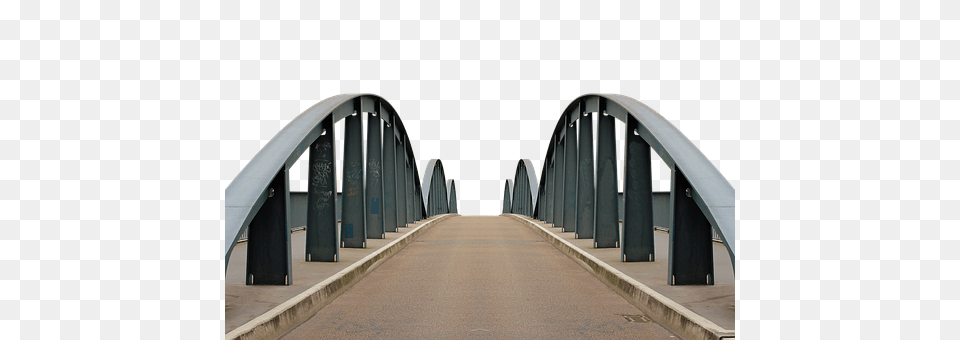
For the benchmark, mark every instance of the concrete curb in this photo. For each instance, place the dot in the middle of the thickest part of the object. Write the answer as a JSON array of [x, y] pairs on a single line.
[[290, 314], [675, 317]]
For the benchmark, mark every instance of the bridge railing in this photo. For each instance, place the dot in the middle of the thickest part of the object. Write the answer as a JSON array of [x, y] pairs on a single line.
[[379, 193], [298, 213], [582, 198]]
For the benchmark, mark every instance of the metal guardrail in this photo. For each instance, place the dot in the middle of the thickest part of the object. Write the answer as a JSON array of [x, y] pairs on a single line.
[[661, 211], [716, 236], [243, 236], [380, 191], [582, 198], [298, 212]]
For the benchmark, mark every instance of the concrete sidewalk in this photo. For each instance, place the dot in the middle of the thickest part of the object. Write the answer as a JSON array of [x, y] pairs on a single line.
[[714, 303], [245, 303]]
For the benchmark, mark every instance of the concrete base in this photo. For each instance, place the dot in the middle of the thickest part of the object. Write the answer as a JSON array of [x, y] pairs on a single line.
[[693, 312], [268, 312]]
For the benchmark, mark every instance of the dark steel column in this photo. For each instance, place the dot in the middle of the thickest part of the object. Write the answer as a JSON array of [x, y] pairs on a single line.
[[522, 193], [389, 177], [585, 189], [437, 192], [453, 198], [374, 184], [570, 176], [417, 192], [691, 239], [549, 188], [558, 181], [607, 227], [637, 198], [268, 246], [507, 205], [352, 230], [322, 244], [417, 202], [541, 199], [410, 190], [401, 192]]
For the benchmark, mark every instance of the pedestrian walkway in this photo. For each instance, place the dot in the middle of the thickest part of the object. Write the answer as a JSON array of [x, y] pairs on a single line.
[[713, 302], [245, 303]]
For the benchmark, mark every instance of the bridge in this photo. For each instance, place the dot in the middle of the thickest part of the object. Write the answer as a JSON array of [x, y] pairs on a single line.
[[569, 256]]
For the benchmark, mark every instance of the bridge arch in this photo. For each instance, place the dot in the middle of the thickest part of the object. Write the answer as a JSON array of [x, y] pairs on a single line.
[[525, 189], [380, 191], [452, 194], [507, 197], [438, 198], [579, 197]]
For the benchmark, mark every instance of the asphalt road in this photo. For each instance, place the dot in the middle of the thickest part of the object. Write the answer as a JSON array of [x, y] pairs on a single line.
[[479, 277]]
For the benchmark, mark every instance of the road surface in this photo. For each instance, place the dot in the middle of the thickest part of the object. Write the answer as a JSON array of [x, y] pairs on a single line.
[[479, 277]]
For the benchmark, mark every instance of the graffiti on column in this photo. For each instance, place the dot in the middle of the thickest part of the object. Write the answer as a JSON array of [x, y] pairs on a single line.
[[375, 172], [353, 176], [324, 200], [322, 169]]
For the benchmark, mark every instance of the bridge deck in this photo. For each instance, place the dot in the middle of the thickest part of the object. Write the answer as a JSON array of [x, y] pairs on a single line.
[[715, 303], [244, 303], [476, 276]]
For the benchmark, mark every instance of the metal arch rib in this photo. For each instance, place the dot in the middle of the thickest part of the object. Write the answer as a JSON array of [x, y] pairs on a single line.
[[247, 192], [450, 188], [452, 196], [534, 185], [711, 191], [508, 194], [428, 178]]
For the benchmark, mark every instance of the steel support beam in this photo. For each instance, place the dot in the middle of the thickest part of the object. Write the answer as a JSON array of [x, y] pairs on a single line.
[[418, 192], [518, 201], [268, 247], [452, 196], [637, 198], [352, 229], [558, 181], [525, 189], [410, 190], [374, 184], [416, 201], [550, 188], [607, 224], [389, 176], [691, 239], [541, 199], [322, 244], [570, 175], [507, 204], [401, 193], [585, 172]]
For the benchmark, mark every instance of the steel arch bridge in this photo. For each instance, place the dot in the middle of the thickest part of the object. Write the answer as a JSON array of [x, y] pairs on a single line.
[[578, 191], [521, 193], [442, 193], [381, 191]]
